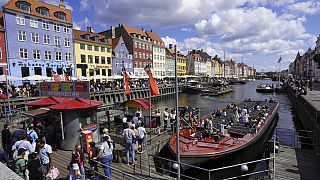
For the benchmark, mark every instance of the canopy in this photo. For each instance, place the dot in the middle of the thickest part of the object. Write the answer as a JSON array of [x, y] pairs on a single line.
[[48, 101], [37, 112], [3, 96], [138, 103], [75, 104], [99, 77], [4, 78], [37, 78]]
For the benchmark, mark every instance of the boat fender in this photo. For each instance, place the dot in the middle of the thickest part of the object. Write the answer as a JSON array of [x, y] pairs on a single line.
[[244, 168], [277, 148], [175, 165]]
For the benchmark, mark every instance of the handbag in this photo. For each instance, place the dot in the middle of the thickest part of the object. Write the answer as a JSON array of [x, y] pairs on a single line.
[[53, 173]]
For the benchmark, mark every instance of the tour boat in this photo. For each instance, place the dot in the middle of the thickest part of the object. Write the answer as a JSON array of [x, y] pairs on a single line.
[[219, 148], [280, 88], [237, 81], [217, 91], [263, 88], [194, 87]]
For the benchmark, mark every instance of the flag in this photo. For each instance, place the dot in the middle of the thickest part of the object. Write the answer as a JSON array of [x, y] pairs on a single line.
[[126, 79], [153, 85], [56, 77], [66, 77], [280, 59]]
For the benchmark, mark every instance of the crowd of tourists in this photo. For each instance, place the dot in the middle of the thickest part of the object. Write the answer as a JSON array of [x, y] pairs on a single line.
[[26, 90]]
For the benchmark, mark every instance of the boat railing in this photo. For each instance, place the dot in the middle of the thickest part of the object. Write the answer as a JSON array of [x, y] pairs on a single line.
[[211, 172]]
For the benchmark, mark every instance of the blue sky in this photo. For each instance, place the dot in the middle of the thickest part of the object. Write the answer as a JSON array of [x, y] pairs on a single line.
[[256, 32]]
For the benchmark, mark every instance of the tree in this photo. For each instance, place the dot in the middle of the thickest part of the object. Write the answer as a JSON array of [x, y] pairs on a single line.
[[316, 59]]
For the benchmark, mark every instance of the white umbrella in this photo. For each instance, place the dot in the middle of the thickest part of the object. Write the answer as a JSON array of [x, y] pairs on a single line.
[[74, 78], [37, 78], [10, 78], [99, 77], [117, 77], [82, 78]]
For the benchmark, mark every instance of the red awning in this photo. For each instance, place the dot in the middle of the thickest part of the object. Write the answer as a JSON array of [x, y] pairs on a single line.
[[76, 104], [138, 103], [3, 96], [37, 112], [48, 101]]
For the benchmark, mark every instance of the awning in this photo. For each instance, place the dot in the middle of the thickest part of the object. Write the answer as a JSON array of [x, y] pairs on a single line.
[[37, 112], [48, 101], [3, 96], [74, 104], [138, 103]]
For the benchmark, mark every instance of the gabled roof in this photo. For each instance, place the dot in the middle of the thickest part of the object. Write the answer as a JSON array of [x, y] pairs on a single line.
[[154, 36], [203, 54], [131, 30], [79, 35], [35, 4], [115, 42], [298, 55]]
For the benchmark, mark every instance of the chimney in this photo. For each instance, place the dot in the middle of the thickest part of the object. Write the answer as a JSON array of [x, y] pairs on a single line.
[[151, 30], [61, 4], [201, 50], [113, 32], [142, 29], [170, 46], [90, 29]]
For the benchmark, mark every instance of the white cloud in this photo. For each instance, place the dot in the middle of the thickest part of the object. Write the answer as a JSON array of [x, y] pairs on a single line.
[[84, 5], [185, 29], [307, 7]]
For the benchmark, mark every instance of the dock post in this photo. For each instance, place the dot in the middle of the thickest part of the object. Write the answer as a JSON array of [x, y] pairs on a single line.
[[274, 157]]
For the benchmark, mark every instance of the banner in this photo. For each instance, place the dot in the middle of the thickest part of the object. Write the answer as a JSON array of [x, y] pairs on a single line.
[[78, 89]]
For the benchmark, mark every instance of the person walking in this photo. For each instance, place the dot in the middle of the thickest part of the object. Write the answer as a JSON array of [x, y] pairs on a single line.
[[36, 172], [25, 144], [158, 121], [93, 156], [77, 157], [32, 136], [45, 151], [21, 164], [165, 119], [142, 134], [128, 135], [6, 139], [106, 156], [172, 120]]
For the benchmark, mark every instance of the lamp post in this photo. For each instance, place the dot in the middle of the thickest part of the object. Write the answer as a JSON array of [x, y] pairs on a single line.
[[177, 109]]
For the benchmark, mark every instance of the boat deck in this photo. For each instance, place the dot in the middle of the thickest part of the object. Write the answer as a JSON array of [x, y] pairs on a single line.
[[293, 164]]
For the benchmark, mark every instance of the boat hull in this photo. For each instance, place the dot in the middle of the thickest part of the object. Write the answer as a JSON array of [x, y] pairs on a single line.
[[262, 90], [249, 152]]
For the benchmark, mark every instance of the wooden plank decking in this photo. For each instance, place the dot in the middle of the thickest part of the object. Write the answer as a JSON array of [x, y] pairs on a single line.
[[294, 164], [61, 158]]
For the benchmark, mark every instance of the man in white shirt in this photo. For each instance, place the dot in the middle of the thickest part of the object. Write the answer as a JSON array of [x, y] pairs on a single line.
[[142, 134], [128, 135], [165, 119]]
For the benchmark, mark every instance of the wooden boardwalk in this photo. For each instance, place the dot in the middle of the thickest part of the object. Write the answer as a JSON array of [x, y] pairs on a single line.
[[294, 164], [139, 171]]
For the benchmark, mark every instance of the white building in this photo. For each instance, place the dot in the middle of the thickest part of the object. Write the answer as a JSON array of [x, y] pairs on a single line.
[[159, 54]]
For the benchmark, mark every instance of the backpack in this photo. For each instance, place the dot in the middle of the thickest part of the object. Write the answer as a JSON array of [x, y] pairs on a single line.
[[29, 137]]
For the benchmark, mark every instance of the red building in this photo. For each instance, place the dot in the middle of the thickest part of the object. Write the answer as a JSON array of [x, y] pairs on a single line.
[[3, 54]]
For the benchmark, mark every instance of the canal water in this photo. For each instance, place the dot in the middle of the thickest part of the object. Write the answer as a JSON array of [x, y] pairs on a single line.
[[285, 128]]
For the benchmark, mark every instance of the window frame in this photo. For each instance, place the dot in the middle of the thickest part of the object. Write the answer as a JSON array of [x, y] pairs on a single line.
[[36, 54], [34, 23], [24, 34], [34, 37], [58, 56], [47, 55], [44, 39], [24, 53], [46, 25]]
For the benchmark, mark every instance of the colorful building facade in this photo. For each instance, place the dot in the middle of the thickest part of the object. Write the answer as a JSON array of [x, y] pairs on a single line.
[[3, 53], [39, 38], [169, 63], [158, 53], [121, 57], [93, 53]]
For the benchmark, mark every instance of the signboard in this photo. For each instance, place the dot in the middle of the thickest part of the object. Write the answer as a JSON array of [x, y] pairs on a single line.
[[79, 89]]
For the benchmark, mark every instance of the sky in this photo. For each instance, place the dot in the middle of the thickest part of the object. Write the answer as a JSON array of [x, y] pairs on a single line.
[[256, 32]]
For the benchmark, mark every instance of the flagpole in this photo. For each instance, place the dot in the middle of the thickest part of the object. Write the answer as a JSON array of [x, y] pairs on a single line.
[[279, 70], [150, 113], [177, 110], [123, 84]]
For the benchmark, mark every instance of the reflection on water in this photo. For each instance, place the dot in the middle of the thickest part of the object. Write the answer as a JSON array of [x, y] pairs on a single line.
[[209, 104]]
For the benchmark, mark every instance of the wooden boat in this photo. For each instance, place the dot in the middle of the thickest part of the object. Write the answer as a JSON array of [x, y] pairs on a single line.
[[217, 91], [194, 87], [262, 88], [218, 148], [237, 81]]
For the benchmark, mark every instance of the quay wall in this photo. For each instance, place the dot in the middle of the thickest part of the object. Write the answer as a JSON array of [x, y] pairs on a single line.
[[108, 97], [307, 108]]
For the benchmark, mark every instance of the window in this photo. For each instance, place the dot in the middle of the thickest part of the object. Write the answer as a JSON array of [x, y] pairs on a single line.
[[46, 39], [91, 72], [90, 47], [44, 12], [0, 54], [90, 60], [103, 60], [108, 50], [103, 49], [135, 55], [34, 23], [25, 71], [139, 45], [47, 55], [109, 72], [36, 54], [35, 37], [147, 47], [58, 56], [22, 36], [84, 72], [61, 16], [57, 41], [135, 45], [97, 71], [140, 56], [96, 48], [38, 71], [46, 25], [96, 59], [56, 27], [104, 72], [66, 42], [143, 46], [108, 60], [23, 53], [82, 46], [68, 56], [66, 29], [143, 55], [24, 6], [20, 20], [129, 56], [130, 65], [83, 58]]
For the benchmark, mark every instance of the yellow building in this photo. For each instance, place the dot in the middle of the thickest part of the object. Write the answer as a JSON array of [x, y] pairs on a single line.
[[182, 64], [93, 53]]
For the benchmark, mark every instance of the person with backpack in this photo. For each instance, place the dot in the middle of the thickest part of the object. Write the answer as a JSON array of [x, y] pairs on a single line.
[[25, 144], [142, 134], [20, 163], [45, 151], [78, 158], [106, 156], [93, 156], [36, 172], [40, 131], [32, 136]]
